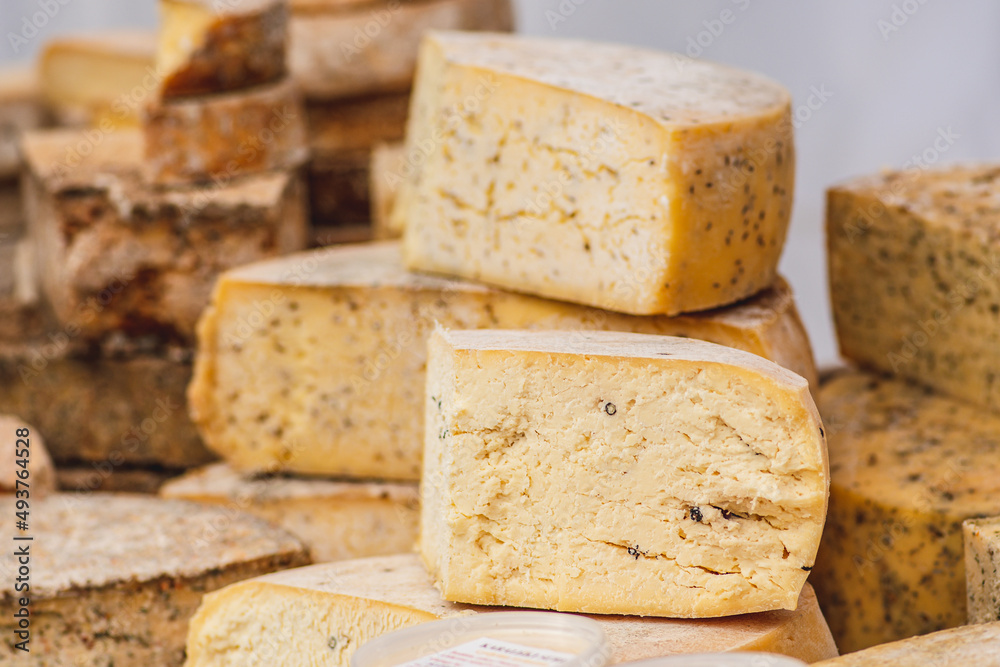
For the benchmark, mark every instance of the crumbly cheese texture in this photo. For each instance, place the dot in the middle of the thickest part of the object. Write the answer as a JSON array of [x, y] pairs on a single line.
[[116, 255], [626, 179], [972, 645], [216, 138], [907, 467], [350, 51], [208, 47], [102, 79], [27, 453], [982, 569], [315, 362], [336, 520], [115, 578], [320, 615], [388, 164], [20, 110], [915, 276]]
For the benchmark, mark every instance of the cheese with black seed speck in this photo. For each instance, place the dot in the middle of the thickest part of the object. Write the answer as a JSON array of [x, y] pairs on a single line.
[[915, 276], [115, 578], [907, 467], [335, 519], [616, 177], [982, 569], [973, 645], [322, 614], [344, 332], [26, 452], [20, 110], [618, 473], [388, 164]]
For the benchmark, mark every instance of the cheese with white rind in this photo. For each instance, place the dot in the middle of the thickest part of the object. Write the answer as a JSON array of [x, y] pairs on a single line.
[[388, 164], [982, 569], [977, 645], [344, 332], [322, 614], [26, 452], [336, 520], [611, 176], [20, 110]]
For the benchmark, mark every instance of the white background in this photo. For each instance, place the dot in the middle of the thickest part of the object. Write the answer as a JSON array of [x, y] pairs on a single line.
[[895, 74]]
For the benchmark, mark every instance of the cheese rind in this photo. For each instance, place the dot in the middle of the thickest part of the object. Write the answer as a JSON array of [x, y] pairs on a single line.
[[615, 177], [982, 569], [335, 608], [27, 452], [907, 467], [350, 325], [973, 645], [20, 110], [336, 520], [388, 163], [915, 276]]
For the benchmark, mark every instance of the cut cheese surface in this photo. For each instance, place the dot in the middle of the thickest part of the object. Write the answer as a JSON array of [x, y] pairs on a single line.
[[20, 110], [973, 645], [388, 163], [316, 361], [915, 276], [27, 452], [322, 614], [982, 569], [631, 180], [907, 467], [336, 520]]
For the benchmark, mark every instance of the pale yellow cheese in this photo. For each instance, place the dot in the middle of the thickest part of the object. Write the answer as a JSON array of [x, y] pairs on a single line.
[[320, 615], [388, 164], [616, 177], [316, 361], [20, 110], [336, 520], [982, 569], [962, 647], [27, 452]]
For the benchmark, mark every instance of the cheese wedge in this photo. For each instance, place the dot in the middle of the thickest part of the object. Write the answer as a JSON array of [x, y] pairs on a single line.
[[210, 46], [101, 79], [974, 645], [336, 520], [20, 110], [322, 614], [907, 467], [388, 164], [915, 276], [115, 578], [315, 362], [118, 256], [27, 453], [632, 180], [982, 569], [337, 50]]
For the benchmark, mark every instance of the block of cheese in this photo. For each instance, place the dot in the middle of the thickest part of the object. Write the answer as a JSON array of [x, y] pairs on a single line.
[[616, 177], [344, 330], [102, 79], [618, 473], [208, 47], [915, 276], [336, 520], [26, 451], [971, 645], [322, 614], [118, 256], [20, 110], [87, 479], [338, 51], [982, 569], [907, 467], [115, 578], [388, 164]]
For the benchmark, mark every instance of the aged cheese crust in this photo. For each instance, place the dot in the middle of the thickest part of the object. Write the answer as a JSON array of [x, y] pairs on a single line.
[[615, 177], [907, 467], [208, 47], [618, 473], [973, 645], [118, 256], [28, 446], [388, 163], [915, 276], [20, 110], [116, 577], [322, 614], [350, 326], [982, 569], [336, 520], [220, 137]]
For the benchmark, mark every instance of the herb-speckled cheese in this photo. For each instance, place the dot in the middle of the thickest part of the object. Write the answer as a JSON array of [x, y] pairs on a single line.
[[618, 473], [626, 179], [982, 569], [315, 362], [907, 467], [115, 578], [322, 614], [961, 647], [337, 520], [20, 110], [915, 276]]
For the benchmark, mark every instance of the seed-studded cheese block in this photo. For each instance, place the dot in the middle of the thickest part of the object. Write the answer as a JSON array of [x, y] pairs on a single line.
[[616, 177], [20, 110], [115, 578], [102, 79], [344, 331], [219, 137], [618, 473], [973, 645], [210, 47], [337, 520], [982, 569], [87, 479], [388, 164], [336, 50], [907, 467], [118, 256], [333, 609], [26, 452], [915, 276]]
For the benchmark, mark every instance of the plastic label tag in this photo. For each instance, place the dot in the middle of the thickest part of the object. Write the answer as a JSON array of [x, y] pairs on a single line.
[[488, 652]]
